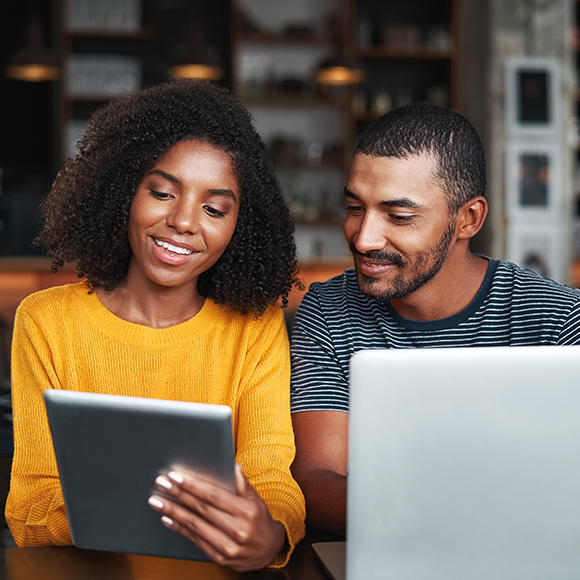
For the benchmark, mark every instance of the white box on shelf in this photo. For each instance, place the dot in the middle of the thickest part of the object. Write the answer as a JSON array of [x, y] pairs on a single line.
[[321, 242], [538, 247], [105, 15], [532, 97], [533, 179], [103, 75]]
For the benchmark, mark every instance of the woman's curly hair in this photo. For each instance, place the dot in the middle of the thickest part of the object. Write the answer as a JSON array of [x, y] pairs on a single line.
[[86, 212]]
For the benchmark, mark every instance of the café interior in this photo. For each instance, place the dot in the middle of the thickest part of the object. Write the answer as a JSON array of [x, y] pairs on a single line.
[[313, 75]]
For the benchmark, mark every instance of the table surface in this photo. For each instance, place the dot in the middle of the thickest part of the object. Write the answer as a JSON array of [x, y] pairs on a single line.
[[69, 563]]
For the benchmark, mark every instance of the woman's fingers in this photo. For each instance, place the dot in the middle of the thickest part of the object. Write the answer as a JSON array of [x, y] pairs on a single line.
[[213, 540], [234, 530]]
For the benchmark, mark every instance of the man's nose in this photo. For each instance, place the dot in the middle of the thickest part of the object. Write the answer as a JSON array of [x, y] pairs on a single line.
[[371, 234]]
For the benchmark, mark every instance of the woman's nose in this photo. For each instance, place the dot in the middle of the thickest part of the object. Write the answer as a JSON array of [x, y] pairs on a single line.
[[183, 216]]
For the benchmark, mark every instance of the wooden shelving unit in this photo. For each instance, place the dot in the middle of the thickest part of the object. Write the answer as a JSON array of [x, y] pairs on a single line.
[[425, 69], [76, 106]]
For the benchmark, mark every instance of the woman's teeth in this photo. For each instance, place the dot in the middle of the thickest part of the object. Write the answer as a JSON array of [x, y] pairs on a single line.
[[172, 248]]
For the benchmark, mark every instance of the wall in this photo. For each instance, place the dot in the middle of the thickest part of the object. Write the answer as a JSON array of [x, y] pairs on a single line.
[[494, 31]]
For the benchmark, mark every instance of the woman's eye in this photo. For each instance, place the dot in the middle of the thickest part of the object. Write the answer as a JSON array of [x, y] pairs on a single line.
[[215, 212], [160, 194]]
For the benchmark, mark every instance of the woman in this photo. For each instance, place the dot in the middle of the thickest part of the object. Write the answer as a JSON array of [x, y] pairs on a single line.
[[176, 222]]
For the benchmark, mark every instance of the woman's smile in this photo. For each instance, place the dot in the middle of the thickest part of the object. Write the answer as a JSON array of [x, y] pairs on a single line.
[[172, 252]]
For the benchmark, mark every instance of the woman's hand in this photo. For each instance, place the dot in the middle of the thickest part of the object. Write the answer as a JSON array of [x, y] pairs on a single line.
[[233, 530]]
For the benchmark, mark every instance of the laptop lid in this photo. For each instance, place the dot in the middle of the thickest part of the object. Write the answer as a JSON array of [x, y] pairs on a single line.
[[464, 464], [332, 556], [109, 450]]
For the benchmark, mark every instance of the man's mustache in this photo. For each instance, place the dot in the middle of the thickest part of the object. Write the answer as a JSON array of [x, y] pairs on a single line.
[[378, 255]]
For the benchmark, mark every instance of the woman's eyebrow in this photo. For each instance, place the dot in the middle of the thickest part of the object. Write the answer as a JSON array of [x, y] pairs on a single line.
[[165, 175], [173, 179], [226, 192]]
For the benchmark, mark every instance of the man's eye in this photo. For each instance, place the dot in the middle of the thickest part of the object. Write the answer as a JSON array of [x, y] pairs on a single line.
[[353, 208], [401, 218]]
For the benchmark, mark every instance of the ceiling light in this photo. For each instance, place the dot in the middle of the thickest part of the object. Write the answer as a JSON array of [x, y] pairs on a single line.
[[34, 62], [340, 70]]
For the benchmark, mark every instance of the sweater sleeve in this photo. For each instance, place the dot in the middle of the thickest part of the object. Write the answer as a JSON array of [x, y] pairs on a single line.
[[35, 509], [265, 441]]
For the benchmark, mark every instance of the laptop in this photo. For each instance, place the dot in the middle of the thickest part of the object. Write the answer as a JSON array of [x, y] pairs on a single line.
[[464, 464], [109, 450]]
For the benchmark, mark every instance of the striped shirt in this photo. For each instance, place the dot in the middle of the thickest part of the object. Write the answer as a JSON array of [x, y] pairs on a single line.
[[514, 307]]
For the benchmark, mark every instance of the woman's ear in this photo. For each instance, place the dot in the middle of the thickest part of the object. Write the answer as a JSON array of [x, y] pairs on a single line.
[[471, 217]]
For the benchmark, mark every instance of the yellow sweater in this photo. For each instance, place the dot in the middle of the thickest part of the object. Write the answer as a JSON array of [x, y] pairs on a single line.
[[64, 338]]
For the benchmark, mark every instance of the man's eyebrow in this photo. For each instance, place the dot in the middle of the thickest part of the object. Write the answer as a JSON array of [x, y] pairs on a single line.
[[349, 193], [399, 202]]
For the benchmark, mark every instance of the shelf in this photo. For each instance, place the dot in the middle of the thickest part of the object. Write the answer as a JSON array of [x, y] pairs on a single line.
[[306, 100], [285, 39], [420, 69], [100, 99], [36, 264], [146, 33], [417, 53], [366, 117]]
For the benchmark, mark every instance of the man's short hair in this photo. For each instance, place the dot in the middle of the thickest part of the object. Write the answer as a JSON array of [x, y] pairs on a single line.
[[422, 128]]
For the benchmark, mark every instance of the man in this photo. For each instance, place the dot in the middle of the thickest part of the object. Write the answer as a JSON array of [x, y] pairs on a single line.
[[414, 199]]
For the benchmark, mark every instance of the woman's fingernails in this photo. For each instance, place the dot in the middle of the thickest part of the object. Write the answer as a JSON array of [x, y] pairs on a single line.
[[167, 521], [155, 503], [163, 482], [177, 477]]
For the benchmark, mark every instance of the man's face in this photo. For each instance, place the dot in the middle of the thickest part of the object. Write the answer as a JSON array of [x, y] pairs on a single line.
[[397, 224]]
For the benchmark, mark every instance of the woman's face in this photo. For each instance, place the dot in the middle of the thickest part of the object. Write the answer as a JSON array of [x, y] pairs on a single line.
[[183, 214]]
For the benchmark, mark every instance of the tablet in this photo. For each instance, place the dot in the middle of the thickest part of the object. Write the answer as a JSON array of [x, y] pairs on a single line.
[[109, 450]]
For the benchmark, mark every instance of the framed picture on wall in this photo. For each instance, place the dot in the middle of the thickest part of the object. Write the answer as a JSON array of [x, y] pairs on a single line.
[[534, 179], [532, 104], [537, 248]]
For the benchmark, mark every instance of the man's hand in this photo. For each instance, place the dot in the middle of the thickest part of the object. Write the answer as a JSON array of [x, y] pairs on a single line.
[[233, 530]]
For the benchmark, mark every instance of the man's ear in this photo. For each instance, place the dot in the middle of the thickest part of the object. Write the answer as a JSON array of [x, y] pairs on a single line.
[[470, 217]]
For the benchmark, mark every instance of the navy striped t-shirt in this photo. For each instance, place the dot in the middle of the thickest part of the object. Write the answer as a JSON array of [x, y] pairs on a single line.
[[514, 307]]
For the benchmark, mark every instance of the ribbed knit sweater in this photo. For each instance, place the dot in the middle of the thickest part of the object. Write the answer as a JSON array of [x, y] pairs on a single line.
[[64, 338]]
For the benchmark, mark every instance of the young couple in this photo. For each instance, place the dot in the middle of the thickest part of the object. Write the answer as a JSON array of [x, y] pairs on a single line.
[[177, 225]]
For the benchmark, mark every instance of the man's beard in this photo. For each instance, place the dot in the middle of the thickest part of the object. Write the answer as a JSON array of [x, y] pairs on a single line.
[[427, 263]]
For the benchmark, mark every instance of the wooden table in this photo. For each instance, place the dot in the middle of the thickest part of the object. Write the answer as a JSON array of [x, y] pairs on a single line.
[[69, 563]]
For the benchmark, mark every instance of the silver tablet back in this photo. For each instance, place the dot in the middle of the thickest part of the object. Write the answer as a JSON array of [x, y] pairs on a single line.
[[110, 449]]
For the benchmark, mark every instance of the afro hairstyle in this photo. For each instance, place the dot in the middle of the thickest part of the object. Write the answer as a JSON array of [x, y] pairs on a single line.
[[86, 212]]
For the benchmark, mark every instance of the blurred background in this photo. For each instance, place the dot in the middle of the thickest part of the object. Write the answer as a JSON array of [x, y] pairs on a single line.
[[313, 73]]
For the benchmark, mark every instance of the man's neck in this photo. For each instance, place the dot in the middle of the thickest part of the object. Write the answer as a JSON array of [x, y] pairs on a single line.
[[451, 290]]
